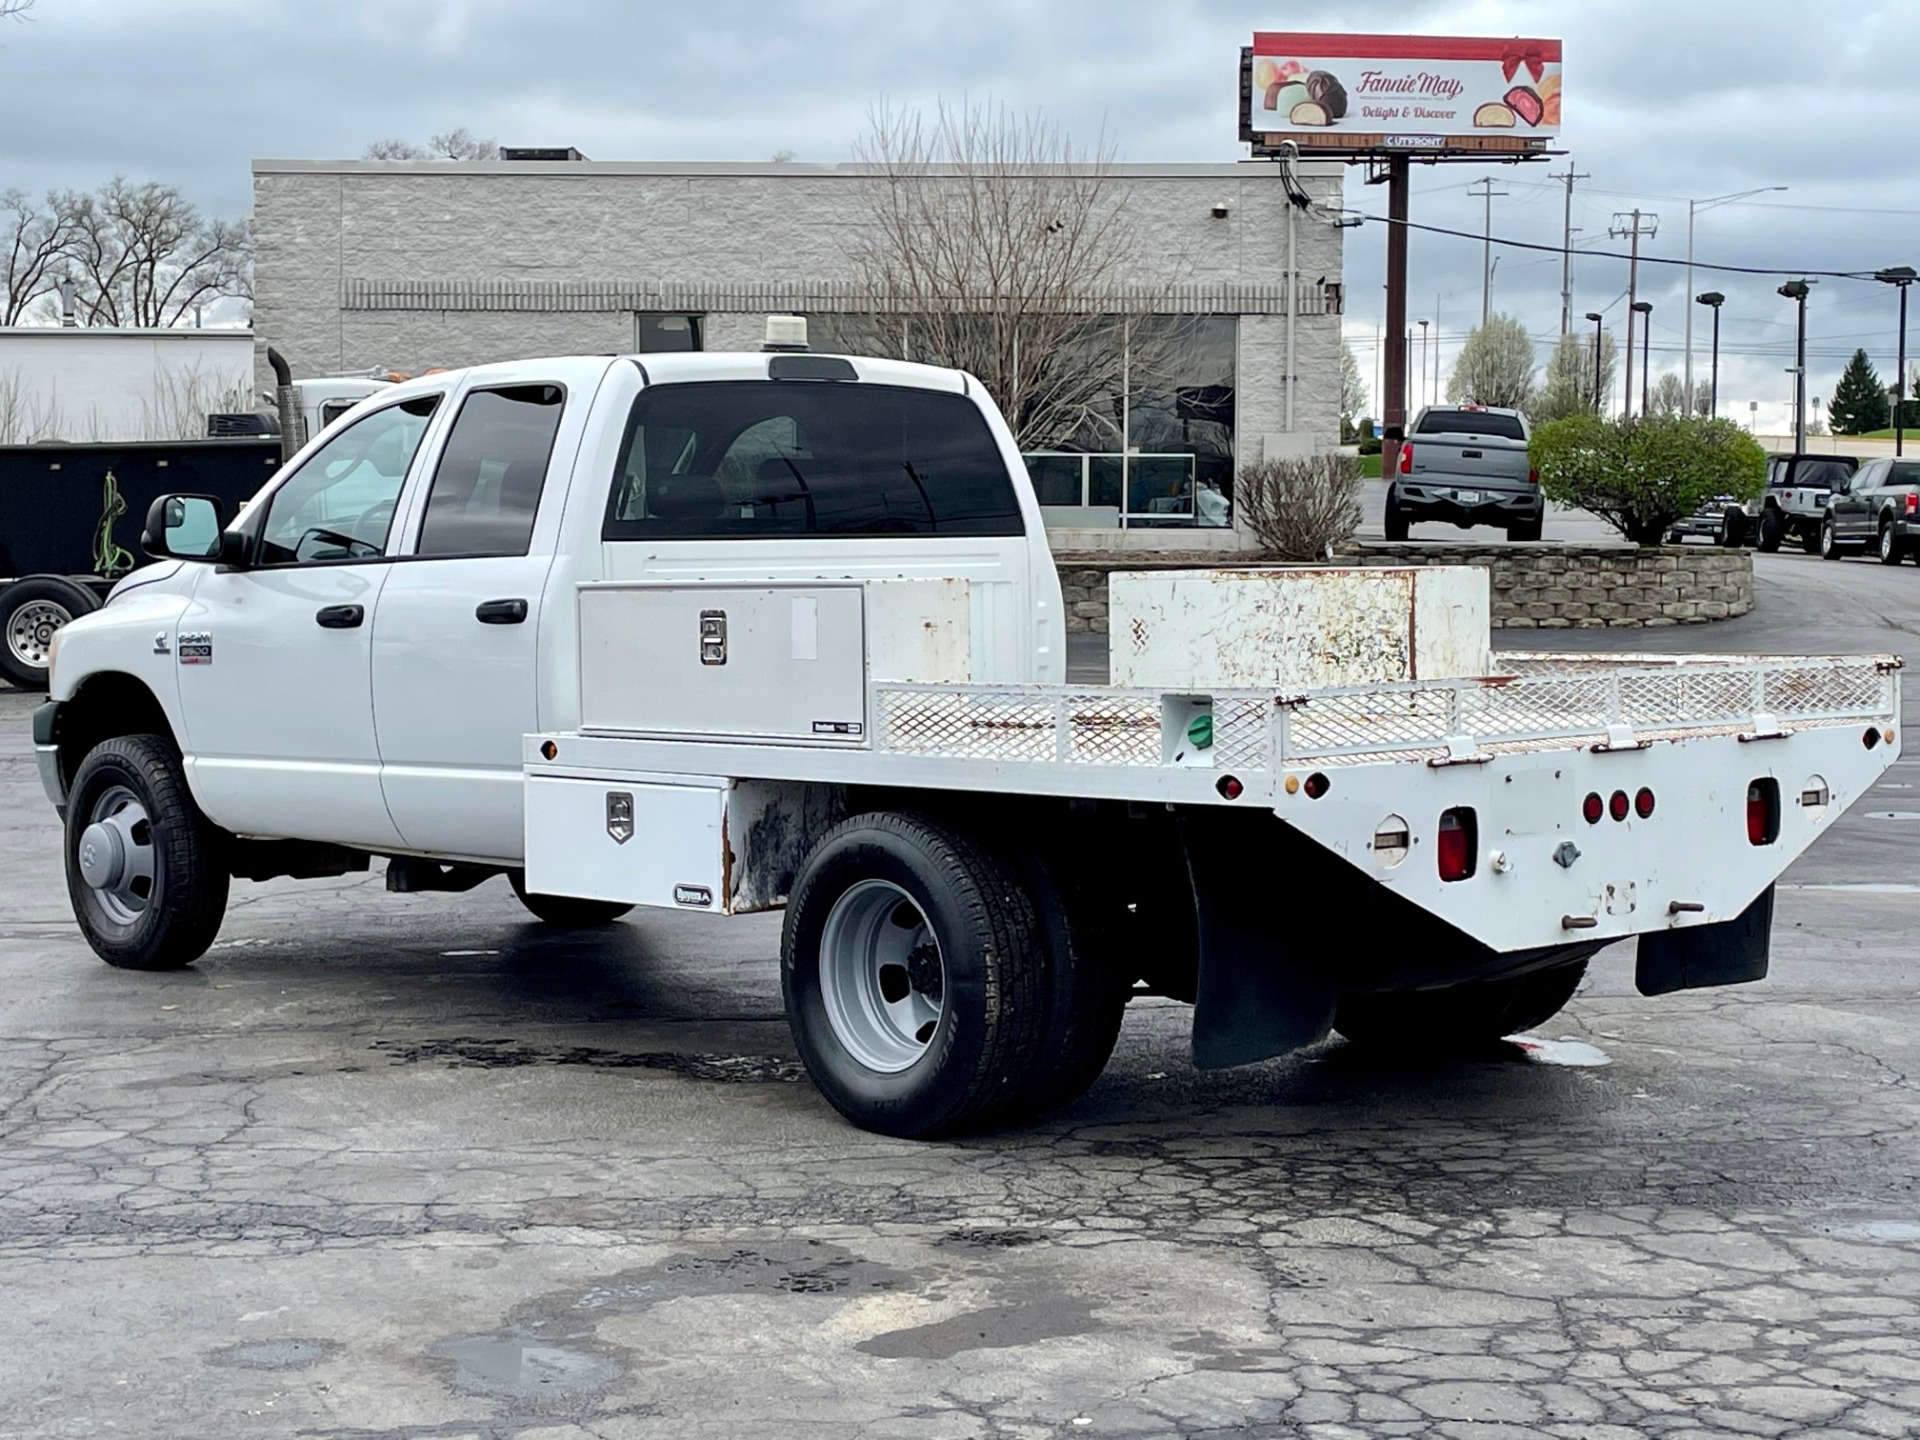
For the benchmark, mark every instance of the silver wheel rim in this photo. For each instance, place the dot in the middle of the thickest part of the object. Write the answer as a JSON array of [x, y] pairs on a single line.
[[1886, 541], [115, 856], [882, 978], [1826, 535], [30, 631]]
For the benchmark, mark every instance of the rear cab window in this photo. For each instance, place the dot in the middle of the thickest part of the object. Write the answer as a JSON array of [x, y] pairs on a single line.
[[760, 459], [1471, 422]]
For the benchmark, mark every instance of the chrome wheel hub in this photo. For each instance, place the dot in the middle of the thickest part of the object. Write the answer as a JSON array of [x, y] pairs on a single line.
[[882, 979], [30, 631]]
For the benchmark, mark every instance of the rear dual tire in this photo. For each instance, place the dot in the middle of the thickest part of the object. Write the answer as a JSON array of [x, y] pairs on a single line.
[[1459, 1017], [934, 987]]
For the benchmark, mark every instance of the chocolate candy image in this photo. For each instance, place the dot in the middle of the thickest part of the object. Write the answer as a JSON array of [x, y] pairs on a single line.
[[1522, 100], [1325, 89], [1493, 116], [1309, 112], [1283, 95]]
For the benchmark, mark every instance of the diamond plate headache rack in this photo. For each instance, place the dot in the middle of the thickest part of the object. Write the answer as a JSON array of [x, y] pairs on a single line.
[[1609, 705]]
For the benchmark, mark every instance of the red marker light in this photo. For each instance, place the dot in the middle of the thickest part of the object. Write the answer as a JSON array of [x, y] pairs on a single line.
[[1317, 785], [1229, 787], [1617, 805], [1459, 837], [1643, 803], [1763, 812], [1593, 807]]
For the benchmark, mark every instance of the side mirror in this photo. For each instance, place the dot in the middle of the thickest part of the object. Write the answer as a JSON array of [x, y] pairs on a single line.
[[183, 527]]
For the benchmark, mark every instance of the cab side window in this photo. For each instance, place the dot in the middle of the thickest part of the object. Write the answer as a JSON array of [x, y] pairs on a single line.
[[339, 505], [486, 489]]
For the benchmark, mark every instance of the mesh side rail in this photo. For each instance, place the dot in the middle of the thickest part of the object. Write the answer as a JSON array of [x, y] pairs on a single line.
[[1252, 729]]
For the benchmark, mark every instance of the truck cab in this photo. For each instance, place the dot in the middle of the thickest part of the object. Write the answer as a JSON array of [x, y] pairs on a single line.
[[391, 614]]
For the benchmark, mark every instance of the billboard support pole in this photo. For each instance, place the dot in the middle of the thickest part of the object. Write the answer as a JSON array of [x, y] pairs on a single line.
[[1395, 419]]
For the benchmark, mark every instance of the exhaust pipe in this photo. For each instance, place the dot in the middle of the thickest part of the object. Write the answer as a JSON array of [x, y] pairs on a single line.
[[290, 436]]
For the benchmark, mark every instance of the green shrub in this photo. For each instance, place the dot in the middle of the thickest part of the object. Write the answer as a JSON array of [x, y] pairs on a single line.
[[1641, 475]]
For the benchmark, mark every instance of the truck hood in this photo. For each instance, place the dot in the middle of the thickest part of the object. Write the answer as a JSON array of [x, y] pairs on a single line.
[[145, 575]]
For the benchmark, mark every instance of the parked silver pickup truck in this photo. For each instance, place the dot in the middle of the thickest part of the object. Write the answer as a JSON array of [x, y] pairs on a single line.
[[1467, 465]]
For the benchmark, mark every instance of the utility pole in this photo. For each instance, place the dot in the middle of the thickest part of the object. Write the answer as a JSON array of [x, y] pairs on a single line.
[[1487, 193], [1631, 225], [1566, 248], [1396, 362]]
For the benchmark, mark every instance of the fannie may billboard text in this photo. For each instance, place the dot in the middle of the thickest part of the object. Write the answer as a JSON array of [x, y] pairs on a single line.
[[1334, 94]]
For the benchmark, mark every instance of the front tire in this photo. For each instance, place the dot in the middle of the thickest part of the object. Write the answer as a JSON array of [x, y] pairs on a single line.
[[563, 912], [1459, 1017], [911, 965], [31, 612], [1829, 539], [146, 871]]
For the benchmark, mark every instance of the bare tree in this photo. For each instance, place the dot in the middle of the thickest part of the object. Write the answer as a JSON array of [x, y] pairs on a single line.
[[460, 144], [1495, 365], [1567, 387], [15, 9], [142, 254], [996, 245], [33, 239]]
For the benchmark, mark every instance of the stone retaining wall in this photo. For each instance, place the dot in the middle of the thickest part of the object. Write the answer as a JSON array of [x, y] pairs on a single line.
[[1535, 587]]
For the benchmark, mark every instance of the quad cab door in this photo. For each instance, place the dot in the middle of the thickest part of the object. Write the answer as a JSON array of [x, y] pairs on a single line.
[[1852, 504], [274, 658], [456, 639]]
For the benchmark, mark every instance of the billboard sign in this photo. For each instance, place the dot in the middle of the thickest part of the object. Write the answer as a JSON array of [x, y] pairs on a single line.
[[1370, 94]]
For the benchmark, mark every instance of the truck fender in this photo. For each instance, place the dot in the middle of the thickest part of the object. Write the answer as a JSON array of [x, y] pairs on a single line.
[[1251, 1003], [1727, 952]]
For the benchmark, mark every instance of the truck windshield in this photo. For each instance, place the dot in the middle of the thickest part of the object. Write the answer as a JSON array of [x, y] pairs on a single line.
[[758, 458], [1470, 422]]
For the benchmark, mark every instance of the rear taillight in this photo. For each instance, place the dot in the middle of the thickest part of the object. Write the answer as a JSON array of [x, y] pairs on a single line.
[[1913, 502], [1533, 477], [1763, 812], [1459, 839], [1406, 458]]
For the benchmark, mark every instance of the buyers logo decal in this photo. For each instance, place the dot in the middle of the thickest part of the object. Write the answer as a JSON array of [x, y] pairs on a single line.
[[196, 648]]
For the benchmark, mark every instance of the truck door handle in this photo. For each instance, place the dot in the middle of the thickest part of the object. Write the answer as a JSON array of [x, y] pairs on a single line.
[[340, 617], [501, 612]]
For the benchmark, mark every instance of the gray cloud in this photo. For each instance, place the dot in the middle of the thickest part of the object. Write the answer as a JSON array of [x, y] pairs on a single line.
[[1664, 100]]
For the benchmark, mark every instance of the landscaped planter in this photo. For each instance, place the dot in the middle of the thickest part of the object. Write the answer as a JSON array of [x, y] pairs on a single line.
[[1535, 587]]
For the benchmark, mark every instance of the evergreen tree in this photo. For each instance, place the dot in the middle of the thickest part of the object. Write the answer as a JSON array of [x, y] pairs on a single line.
[[1859, 401]]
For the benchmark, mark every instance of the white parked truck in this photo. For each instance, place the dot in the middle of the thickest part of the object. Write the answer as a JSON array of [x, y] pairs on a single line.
[[730, 632]]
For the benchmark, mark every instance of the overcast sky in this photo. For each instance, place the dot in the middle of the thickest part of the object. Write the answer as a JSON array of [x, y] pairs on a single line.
[[1665, 99]]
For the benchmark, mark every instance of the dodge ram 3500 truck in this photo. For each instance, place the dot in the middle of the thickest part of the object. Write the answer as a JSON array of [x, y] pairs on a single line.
[[731, 632]]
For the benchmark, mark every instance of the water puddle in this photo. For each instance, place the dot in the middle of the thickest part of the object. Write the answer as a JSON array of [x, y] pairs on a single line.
[[1564, 1051], [524, 1368]]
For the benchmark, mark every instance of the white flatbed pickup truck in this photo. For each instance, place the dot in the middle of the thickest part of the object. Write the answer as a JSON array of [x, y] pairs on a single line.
[[730, 632]]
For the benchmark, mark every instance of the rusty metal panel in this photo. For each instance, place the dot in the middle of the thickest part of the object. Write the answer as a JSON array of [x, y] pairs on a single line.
[[1298, 629]]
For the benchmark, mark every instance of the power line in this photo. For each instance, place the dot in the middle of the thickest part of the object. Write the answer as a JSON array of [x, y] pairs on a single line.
[[1622, 255]]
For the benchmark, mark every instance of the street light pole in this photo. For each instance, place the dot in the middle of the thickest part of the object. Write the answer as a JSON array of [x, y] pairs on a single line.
[[1714, 299], [1423, 357], [1599, 407], [1796, 291], [1901, 276], [1644, 309], [1692, 207]]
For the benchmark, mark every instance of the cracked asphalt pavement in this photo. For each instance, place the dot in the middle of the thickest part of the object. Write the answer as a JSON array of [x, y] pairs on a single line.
[[389, 1166]]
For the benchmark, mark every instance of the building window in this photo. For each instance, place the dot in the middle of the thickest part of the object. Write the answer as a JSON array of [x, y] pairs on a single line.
[[1148, 440], [655, 332]]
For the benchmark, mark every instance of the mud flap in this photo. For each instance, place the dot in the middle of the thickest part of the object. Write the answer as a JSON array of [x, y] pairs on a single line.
[[1250, 1003], [1730, 952]]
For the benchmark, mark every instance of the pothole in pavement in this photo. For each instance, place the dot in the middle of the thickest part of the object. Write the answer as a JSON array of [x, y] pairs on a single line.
[[471, 1052], [285, 1354], [549, 1350]]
